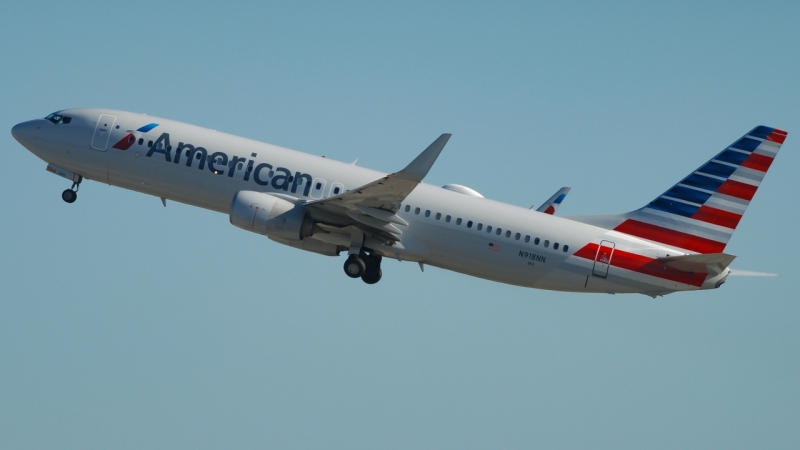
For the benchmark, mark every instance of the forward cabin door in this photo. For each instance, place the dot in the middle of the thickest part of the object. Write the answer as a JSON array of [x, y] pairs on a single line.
[[603, 259], [103, 131]]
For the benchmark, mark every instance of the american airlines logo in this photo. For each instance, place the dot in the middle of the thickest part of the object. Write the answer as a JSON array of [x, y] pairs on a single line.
[[219, 163]]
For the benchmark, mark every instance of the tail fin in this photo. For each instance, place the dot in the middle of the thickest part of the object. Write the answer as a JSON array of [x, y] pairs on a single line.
[[552, 204], [700, 213]]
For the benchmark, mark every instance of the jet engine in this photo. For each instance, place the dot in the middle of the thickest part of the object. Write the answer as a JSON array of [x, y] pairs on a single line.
[[271, 216]]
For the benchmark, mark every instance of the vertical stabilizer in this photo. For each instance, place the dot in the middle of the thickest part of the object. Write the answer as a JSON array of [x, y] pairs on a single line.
[[700, 213]]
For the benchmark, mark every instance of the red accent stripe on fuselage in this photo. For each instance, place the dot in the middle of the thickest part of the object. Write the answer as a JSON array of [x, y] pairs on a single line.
[[644, 265], [670, 237]]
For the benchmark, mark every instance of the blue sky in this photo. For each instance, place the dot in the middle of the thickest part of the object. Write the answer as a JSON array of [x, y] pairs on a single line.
[[124, 324]]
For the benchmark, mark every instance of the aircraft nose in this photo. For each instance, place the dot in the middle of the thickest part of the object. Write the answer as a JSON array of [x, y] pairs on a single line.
[[24, 131]]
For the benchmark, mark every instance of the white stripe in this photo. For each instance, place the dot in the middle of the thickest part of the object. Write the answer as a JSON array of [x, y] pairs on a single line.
[[744, 152], [680, 201], [755, 176], [683, 224], [709, 175], [723, 162], [768, 148], [725, 204], [695, 188]]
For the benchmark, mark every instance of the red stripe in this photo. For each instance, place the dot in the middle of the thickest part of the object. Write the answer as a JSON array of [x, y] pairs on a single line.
[[125, 143], [777, 136], [644, 265], [717, 217], [757, 162], [550, 210], [737, 189], [670, 237]]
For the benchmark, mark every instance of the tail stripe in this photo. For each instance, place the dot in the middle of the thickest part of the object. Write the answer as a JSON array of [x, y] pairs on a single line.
[[711, 200]]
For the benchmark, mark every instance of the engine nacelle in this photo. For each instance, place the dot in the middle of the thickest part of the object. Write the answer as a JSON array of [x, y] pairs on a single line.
[[271, 216]]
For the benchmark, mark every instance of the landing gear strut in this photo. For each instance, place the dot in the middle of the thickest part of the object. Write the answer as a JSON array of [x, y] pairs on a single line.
[[364, 266], [71, 194]]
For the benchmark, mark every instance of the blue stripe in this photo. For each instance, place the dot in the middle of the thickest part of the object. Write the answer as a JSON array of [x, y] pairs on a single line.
[[559, 199], [687, 194], [678, 208], [720, 170], [147, 127], [730, 156], [761, 132], [702, 182], [746, 144]]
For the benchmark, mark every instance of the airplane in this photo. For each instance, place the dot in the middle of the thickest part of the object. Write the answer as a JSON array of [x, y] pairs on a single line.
[[313, 203]]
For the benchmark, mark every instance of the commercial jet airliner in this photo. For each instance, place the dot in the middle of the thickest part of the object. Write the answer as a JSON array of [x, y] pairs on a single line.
[[316, 204]]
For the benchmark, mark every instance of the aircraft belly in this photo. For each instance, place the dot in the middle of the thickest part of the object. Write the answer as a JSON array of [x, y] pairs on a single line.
[[472, 255]]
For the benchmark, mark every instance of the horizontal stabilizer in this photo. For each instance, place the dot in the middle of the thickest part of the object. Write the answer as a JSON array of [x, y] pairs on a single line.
[[710, 263], [747, 273]]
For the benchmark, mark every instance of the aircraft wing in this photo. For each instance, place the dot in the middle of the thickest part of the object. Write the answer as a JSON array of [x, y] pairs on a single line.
[[552, 204], [372, 207]]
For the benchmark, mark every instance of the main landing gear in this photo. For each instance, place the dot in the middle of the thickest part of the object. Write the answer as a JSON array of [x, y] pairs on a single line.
[[364, 266], [71, 194]]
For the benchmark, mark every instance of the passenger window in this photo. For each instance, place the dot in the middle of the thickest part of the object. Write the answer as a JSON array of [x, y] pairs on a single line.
[[536, 241], [488, 228], [408, 208], [480, 226], [149, 143], [438, 216], [508, 234], [427, 213], [142, 141], [416, 210], [458, 221], [546, 243], [555, 246], [447, 219], [499, 230], [469, 224], [566, 248], [517, 236], [527, 238]]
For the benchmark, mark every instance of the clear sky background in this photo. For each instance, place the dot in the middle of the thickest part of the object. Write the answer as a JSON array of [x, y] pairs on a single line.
[[124, 324]]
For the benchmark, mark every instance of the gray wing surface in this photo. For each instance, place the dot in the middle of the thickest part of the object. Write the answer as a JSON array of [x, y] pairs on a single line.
[[372, 207]]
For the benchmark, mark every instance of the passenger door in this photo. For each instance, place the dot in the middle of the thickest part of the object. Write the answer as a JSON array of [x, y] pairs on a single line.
[[603, 259], [103, 131]]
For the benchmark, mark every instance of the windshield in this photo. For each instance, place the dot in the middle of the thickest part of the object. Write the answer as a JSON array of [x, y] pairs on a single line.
[[58, 118]]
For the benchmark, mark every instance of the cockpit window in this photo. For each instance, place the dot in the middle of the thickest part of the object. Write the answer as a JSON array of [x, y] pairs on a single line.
[[58, 118]]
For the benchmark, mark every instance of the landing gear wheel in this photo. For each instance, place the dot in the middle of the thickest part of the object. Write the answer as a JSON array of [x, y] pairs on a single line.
[[69, 196], [372, 276], [354, 267]]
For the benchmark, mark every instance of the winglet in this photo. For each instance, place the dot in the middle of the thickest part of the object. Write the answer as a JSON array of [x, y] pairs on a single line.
[[418, 168]]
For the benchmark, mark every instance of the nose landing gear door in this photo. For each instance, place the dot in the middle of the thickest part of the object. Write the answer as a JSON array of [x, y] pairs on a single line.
[[103, 131], [603, 259]]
